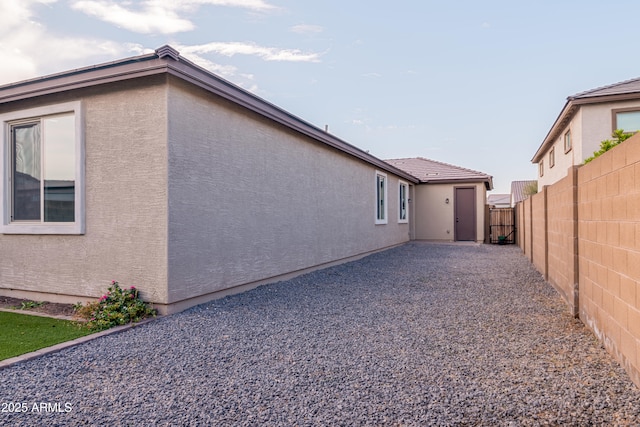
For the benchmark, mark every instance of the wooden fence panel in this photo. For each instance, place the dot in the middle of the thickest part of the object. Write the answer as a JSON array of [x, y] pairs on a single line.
[[502, 226]]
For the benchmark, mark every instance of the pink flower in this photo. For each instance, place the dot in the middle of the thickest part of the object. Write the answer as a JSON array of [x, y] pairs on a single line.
[[113, 282], [132, 288]]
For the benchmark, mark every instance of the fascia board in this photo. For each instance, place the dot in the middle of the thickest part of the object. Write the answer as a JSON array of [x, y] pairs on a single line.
[[568, 111]]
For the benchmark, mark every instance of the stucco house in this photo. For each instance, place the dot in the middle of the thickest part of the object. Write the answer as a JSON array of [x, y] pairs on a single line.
[[449, 200], [154, 172], [586, 119]]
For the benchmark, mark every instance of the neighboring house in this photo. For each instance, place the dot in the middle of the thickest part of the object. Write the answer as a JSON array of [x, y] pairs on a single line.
[[586, 119], [156, 173], [449, 200], [499, 200], [520, 189]]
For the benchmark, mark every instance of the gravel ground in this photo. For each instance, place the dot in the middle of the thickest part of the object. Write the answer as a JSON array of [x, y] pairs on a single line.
[[423, 334]]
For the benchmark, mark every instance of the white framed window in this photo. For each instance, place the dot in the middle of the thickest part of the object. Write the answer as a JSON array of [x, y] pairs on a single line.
[[42, 170], [403, 200], [381, 198], [541, 168], [552, 157]]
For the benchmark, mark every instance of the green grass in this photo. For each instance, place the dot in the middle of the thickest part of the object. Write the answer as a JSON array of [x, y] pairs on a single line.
[[22, 333]]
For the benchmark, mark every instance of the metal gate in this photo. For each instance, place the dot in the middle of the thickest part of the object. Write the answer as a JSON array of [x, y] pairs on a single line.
[[502, 226]]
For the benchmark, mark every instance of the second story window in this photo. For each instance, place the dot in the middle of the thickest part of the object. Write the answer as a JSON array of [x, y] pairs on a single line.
[[628, 121], [567, 141]]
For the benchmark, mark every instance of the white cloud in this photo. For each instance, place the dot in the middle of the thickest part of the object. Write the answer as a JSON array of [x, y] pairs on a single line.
[[27, 50], [156, 16], [375, 75], [306, 29], [228, 72], [151, 19], [255, 5], [240, 48]]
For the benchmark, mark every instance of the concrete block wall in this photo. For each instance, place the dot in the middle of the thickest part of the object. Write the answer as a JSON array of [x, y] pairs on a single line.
[[583, 235], [562, 239], [609, 251], [539, 231]]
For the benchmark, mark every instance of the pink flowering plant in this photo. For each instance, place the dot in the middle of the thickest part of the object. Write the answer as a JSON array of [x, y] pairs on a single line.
[[117, 307]]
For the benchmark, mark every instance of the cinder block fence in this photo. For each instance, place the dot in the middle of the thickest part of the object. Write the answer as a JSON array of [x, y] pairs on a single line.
[[583, 234]]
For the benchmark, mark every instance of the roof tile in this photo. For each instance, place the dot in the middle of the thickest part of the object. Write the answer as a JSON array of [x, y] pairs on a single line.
[[427, 170]]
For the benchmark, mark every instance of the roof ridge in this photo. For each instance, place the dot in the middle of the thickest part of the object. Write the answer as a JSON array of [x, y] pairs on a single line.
[[441, 163], [453, 166], [609, 86]]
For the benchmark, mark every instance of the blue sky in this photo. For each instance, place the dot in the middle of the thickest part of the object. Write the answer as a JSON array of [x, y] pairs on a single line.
[[475, 84]]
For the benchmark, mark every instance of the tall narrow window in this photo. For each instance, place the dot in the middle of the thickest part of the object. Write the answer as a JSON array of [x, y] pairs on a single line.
[[403, 213], [541, 167], [43, 171], [552, 157], [381, 198], [567, 141]]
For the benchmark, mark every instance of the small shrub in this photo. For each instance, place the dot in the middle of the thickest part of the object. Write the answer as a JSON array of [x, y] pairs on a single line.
[[618, 135], [117, 307], [531, 188], [28, 305]]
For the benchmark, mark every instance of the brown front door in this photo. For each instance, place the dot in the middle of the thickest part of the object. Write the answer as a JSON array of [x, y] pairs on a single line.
[[465, 212]]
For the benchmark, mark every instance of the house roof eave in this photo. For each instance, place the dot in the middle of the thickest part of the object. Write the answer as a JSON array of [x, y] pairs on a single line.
[[167, 60], [488, 182], [566, 114]]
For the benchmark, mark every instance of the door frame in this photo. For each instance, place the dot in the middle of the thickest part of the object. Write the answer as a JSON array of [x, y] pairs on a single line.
[[474, 211]]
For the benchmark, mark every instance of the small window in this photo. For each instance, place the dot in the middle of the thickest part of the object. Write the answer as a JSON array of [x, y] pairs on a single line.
[[552, 157], [42, 171], [541, 167], [403, 212], [567, 141], [381, 198], [628, 121]]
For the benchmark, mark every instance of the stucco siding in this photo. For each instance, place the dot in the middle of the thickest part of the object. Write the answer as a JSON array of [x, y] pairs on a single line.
[[563, 160], [125, 240], [435, 217], [250, 200], [598, 124]]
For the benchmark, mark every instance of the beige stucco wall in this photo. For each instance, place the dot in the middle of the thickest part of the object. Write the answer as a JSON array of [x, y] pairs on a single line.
[[597, 124], [250, 200], [126, 210], [434, 219], [563, 161]]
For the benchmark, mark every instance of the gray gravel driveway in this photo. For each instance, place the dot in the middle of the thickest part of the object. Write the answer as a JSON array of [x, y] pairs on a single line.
[[422, 334]]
